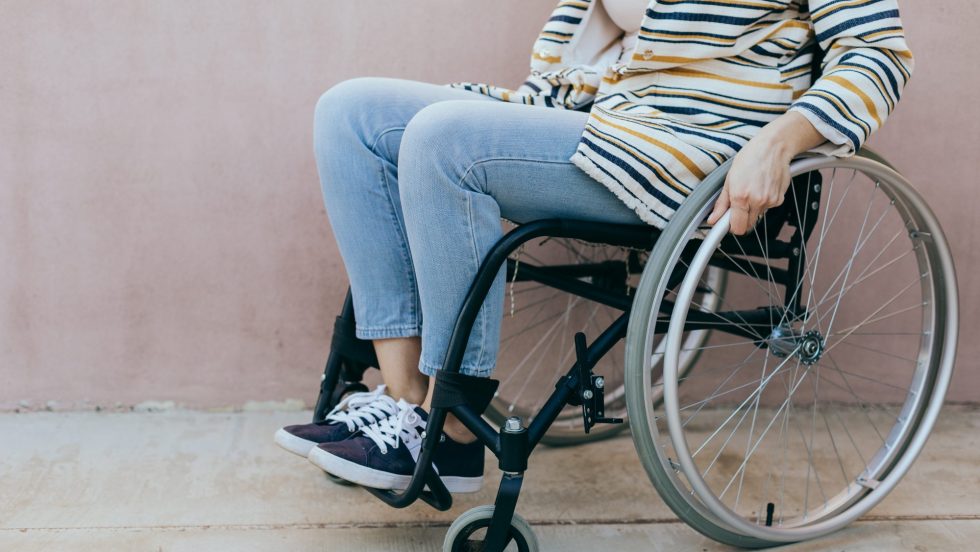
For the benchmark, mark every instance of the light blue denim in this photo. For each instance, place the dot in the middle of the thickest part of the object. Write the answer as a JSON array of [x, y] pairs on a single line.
[[416, 178]]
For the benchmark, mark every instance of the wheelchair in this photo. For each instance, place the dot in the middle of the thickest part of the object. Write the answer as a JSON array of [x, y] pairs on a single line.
[[777, 385]]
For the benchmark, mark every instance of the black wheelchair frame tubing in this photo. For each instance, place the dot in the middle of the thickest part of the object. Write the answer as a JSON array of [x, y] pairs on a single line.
[[425, 483], [638, 236]]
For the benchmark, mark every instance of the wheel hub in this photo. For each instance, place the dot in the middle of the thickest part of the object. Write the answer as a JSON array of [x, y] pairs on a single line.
[[809, 346]]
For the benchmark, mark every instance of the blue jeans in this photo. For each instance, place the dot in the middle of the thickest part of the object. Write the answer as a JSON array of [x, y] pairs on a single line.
[[416, 178]]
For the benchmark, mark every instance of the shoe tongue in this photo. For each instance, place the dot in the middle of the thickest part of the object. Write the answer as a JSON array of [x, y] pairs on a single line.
[[386, 402]]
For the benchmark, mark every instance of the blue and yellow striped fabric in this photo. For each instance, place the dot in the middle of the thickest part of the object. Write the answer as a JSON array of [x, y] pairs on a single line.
[[705, 76]]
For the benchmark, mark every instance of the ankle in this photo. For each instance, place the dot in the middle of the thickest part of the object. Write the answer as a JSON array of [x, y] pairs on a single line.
[[455, 430], [408, 393]]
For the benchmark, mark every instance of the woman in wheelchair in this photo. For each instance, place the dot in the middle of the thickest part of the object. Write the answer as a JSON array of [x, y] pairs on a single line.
[[631, 108]]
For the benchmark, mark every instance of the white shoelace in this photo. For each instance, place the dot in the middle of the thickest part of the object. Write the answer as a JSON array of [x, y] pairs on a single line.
[[405, 427], [360, 409]]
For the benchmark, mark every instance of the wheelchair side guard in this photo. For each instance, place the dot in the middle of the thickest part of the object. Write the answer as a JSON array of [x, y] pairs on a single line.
[[804, 193], [799, 212]]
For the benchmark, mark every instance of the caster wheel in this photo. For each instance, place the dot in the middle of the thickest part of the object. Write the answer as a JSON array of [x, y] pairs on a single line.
[[466, 534], [340, 481]]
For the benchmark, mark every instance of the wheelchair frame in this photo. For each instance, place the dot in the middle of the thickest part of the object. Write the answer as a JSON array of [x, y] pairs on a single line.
[[514, 443]]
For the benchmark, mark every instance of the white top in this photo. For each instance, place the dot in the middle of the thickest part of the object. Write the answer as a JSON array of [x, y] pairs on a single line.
[[626, 16]]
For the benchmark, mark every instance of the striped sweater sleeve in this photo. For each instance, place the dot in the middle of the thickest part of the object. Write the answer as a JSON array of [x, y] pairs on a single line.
[[867, 64]]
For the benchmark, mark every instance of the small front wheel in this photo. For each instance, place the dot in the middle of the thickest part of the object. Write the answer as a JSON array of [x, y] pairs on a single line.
[[468, 532]]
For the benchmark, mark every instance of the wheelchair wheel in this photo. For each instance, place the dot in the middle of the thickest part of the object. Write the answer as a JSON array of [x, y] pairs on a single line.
[[468, 531], [832, 350], [540, 322]]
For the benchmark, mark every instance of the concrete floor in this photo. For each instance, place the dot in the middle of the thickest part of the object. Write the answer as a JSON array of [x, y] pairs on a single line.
[[193, 481]]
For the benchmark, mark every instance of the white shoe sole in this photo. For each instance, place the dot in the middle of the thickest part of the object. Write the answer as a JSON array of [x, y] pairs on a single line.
[[377, 479], [293, 443]]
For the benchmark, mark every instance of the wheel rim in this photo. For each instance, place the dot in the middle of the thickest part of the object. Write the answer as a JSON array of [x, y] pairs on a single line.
[[469, 531], [517, 542], [721, 493], [538, 326]]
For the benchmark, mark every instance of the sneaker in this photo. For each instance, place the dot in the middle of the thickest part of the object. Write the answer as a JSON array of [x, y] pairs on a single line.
[[351, 414], [383, 455]]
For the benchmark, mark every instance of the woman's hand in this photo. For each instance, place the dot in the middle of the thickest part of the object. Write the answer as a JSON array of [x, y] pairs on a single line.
[[759, 175], [757, 180]]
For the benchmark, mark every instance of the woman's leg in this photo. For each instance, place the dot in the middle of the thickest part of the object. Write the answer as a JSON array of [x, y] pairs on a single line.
[[358, 129], [462, 166]]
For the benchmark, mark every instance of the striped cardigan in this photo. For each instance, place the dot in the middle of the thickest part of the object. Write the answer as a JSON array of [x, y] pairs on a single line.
[[704, 77]]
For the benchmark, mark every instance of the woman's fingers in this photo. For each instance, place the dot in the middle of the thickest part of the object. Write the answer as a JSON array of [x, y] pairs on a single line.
[[740, 220], [721, 205], [747, 196]]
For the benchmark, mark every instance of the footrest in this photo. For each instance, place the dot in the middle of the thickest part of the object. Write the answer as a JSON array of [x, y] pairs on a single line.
[[434, 494]]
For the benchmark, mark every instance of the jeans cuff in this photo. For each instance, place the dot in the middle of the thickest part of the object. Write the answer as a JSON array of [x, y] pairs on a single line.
[[430, 369], [387, 332]]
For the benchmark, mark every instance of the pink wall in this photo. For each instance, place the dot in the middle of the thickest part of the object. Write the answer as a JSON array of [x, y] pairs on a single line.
[[160, 219]]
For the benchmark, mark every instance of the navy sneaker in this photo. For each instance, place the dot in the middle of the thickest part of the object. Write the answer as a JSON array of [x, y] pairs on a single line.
[[383, 455], [351, 414]]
